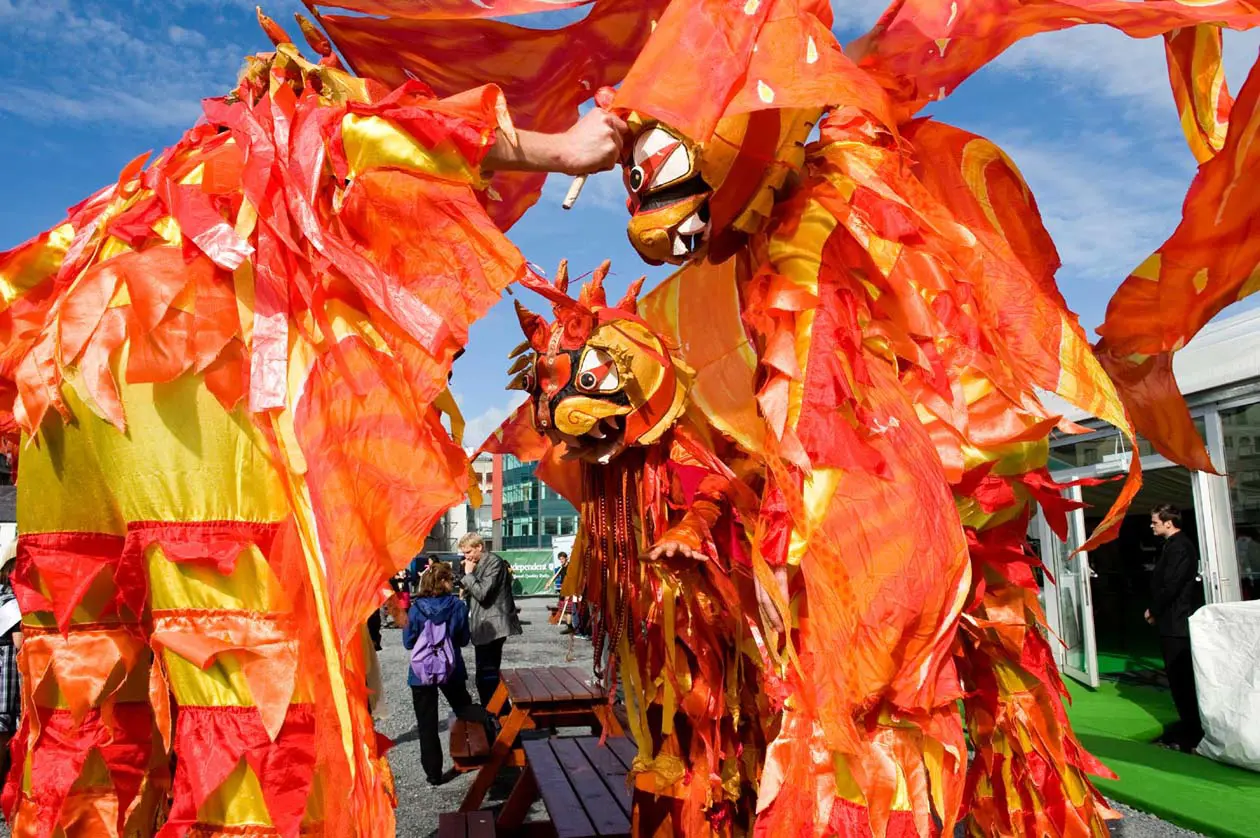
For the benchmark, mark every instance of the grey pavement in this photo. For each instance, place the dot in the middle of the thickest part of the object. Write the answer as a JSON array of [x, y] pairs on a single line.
[[541, 645]]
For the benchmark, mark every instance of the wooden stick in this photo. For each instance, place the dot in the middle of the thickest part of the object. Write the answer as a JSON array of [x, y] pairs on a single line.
[[575, 189]]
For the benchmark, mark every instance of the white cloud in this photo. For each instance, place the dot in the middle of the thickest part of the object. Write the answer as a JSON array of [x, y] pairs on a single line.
[[95, 104], [185, 37], [479, 427], [98, 62], [1106, 201], [1100, 60]]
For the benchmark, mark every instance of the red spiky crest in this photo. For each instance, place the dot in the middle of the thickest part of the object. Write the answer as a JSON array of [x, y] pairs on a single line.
[[562, 277], [592, 295], [534, 326], [630, 302], [275, 32]]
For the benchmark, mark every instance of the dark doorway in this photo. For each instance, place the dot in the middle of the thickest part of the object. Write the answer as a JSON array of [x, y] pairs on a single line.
[[1128, 648]]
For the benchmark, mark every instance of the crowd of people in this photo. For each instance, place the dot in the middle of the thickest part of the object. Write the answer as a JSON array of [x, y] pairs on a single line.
[[442, 609]]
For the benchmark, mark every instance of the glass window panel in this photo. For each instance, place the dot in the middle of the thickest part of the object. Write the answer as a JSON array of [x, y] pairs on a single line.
[[1112, 447], [1241, 426]]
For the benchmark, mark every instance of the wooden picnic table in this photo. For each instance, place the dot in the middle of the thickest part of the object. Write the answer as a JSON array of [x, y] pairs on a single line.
[[542, 697], [581, 783]]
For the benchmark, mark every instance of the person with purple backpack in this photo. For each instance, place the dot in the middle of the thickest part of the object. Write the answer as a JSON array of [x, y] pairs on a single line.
[[437, 626]]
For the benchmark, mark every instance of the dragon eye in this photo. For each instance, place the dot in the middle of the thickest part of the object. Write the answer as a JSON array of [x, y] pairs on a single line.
[[527, 382], [598, 373], [660, 159]]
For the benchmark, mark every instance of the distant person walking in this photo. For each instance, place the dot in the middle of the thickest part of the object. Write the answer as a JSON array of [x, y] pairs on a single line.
[[1176, 593], [10, 643], [437, 626], [491, 610]]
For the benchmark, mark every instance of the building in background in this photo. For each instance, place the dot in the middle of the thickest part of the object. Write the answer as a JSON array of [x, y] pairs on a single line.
[[1095, 601], [464, 517], [529, 514]]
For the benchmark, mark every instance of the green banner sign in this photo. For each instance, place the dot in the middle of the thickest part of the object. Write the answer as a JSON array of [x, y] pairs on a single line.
[[532, 571]]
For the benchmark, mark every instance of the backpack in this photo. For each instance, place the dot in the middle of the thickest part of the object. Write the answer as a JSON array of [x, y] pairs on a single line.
[[433, 656]]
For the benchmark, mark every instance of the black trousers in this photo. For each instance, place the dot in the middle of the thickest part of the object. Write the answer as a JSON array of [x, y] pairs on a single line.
[[425, 700], [1179, 666], [489, 659]]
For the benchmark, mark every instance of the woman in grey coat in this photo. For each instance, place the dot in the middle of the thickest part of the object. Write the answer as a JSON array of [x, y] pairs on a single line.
[[491, 610]]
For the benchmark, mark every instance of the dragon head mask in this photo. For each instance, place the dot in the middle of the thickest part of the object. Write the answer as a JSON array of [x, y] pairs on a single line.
[[688, 198], [598, 377]]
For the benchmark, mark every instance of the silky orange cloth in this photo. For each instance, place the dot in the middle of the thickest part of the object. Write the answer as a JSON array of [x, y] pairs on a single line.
[[227, 370], [544, 73]]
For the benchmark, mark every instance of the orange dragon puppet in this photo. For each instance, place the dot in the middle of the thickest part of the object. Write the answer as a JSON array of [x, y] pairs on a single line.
[[897, 320], [897, 287], [207, 365], [663, 547]]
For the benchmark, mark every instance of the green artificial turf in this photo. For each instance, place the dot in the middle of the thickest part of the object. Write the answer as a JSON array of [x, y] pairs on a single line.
[[1116, 723]]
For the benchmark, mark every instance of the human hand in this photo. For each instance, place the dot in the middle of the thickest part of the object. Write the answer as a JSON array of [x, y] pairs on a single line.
[[669, 549], [593, 144], [469, 566], [1149, 618]]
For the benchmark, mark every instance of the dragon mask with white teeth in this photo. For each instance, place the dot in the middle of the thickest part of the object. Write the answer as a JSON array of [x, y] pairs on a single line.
[[689, 199], [598, 377]]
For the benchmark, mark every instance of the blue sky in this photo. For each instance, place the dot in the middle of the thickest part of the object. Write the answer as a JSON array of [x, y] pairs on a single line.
[[85, 85]]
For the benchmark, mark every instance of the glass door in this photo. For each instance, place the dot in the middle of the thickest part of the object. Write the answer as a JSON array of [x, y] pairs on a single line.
[[1069, 605]]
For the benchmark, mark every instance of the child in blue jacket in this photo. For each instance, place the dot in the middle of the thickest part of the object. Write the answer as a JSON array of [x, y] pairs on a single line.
[[436, 603]]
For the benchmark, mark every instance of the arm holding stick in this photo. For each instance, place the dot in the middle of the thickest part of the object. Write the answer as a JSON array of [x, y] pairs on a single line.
[[593, 144]]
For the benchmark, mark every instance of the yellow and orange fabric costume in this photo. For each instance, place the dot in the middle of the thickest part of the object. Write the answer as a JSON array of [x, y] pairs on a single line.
[[612, 418], [895, 319], [208, 364], [227, 371]]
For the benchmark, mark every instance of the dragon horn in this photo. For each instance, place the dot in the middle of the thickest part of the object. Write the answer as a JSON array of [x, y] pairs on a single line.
[[274, 31], [534, 327], [630, 302], [562, 277], [593, 292], [318, 40]]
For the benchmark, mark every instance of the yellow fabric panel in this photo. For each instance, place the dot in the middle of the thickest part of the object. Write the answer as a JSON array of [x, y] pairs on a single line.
[[185, 458], [819, 488], [251, 586], [221, 684], [847, 787], [798, 258], [40, 264], [95, 773], [134, 690], [372, 142], [48, 468], [88, 610], [237, 802], [698, 309]]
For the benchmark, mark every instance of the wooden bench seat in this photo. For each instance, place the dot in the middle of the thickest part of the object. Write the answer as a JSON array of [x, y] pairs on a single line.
[[466, 825], [470, 747]]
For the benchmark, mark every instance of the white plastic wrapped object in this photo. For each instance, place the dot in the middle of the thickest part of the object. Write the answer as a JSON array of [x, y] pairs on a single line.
[[1225, 640]]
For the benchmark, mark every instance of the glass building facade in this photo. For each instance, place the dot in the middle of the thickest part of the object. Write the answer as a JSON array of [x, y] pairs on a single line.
[[1095, 601], [533, 514]]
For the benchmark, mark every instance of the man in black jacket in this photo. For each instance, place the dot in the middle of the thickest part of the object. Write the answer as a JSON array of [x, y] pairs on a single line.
[[1176, 592], [492, 613]]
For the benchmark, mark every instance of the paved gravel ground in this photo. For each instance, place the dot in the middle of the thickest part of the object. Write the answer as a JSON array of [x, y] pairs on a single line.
[[541, 645]]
